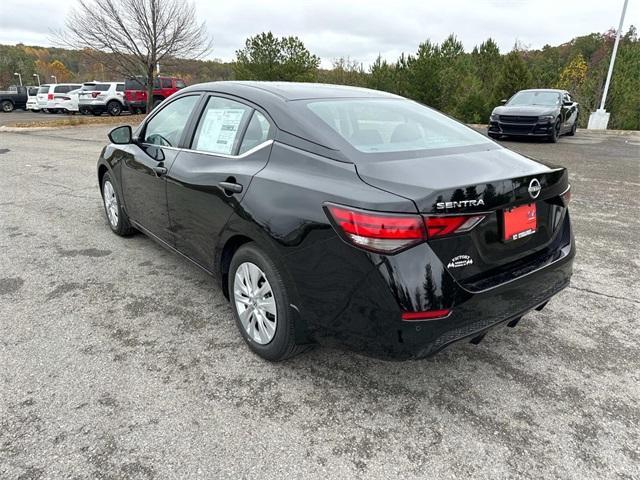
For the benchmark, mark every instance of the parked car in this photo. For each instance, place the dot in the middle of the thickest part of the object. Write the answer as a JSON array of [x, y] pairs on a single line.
[[32, 99], [66, 102], [535, 113], [15, 97], [51, 96], [342, 215], [102, 97], [136, 91]]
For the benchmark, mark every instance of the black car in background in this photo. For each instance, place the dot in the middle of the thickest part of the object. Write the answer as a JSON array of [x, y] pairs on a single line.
[[536, 113], [342, 215], [15, 97]]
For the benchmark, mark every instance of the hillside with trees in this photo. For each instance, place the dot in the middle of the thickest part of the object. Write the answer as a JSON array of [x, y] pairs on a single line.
[[464, 84]]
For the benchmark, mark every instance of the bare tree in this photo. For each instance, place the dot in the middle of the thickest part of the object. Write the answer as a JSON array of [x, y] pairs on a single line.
[[136, 34]]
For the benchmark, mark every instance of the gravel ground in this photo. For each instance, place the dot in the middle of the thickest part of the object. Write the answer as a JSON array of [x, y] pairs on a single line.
[[119, 360]]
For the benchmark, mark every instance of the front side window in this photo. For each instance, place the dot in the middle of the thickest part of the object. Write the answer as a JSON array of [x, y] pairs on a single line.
[[392, 125], [166, 127], [257, 132], [220, 125]]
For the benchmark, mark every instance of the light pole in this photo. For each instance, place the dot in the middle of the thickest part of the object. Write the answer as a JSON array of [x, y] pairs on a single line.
[[38, 77], [55, 79], [599, 119], [19, 77]]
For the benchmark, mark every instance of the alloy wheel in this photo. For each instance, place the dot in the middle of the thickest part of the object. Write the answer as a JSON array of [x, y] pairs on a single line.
[[110, 203], [255, 303]]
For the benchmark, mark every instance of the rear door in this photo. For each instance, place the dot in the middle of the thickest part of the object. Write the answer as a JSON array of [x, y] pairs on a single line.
[[231, 143], [143, 171]]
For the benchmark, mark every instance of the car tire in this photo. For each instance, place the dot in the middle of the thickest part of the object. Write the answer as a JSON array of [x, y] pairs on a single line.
[[114, 108], [553, 138], [260, 303], [574, 127], [116, 216], [156, 102], [495, 136], [6, 106]]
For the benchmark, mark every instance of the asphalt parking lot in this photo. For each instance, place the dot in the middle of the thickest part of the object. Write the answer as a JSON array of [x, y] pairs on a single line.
[[21, 116], [119, 360]]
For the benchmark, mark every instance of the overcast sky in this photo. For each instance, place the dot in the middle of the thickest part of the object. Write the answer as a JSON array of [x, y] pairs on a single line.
[[360, 29]]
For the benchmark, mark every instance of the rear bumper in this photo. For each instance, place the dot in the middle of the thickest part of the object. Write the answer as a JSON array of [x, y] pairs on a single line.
[[537, 129], [416, 280]]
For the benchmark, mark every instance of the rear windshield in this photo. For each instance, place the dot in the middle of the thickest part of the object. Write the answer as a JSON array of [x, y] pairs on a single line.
[[43, 89], [33, 91], [392, 125]]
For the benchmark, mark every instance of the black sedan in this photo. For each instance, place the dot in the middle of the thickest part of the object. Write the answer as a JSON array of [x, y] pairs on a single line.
[[535, 113], [342, 215]]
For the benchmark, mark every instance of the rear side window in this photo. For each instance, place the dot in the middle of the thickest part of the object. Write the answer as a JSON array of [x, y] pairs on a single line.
[[120, 87], [166, 127], [220, 125], [134, 84], [257, 132], [61, 89], [166, 83], [102, 87], [180, 84]]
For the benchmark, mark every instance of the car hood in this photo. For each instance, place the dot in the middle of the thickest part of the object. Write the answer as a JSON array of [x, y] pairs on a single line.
[[528, 110]]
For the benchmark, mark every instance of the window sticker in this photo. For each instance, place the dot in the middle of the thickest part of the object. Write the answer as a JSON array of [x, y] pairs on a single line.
[[219, 130]]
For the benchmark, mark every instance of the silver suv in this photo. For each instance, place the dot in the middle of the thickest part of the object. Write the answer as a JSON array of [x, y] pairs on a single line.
[[101, 97]]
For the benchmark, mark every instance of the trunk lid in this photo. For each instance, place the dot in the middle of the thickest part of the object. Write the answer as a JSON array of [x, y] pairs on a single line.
[[485, 181]]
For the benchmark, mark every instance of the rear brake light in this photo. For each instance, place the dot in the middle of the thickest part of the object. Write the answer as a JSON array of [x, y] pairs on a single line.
[[427, 315], [378, 232], [443, 226], [50, 96]]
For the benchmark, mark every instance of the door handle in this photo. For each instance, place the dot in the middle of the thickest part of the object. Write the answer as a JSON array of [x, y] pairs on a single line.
[[160, 171], [230, 187]]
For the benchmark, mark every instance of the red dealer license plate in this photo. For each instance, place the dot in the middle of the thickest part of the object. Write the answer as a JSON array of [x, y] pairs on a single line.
[[520, 222]]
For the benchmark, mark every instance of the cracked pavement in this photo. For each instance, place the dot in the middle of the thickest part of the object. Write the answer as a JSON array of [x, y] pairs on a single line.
[[119, 360]]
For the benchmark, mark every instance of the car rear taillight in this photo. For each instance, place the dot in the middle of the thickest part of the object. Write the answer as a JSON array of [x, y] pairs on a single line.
[[427, 315], [450, 225], [377, 232], [50, 96], [566, 196], [390, 233], [95, 94]]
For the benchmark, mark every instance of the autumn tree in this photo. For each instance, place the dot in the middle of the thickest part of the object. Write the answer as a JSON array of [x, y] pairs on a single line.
[[267, 57], [138, 34]]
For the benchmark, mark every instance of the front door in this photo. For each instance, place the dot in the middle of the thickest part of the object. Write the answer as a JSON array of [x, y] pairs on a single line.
[[207, 182], [144, 169]]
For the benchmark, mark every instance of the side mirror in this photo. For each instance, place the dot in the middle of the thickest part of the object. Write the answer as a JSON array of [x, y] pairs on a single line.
[[503, 101], [567, 103], [121, 135]]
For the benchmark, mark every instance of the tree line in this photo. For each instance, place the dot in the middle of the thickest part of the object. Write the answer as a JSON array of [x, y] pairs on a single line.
[[464, 84]]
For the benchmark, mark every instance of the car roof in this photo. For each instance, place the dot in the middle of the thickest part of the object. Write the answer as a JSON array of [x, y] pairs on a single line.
[[275, 98], [553, 90], [288, 91]]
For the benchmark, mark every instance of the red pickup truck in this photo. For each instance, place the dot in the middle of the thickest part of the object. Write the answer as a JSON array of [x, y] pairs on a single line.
[[135, 91]]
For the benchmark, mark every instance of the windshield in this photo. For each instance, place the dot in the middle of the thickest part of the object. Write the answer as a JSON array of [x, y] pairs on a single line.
[[392, 125], [549, 99]]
